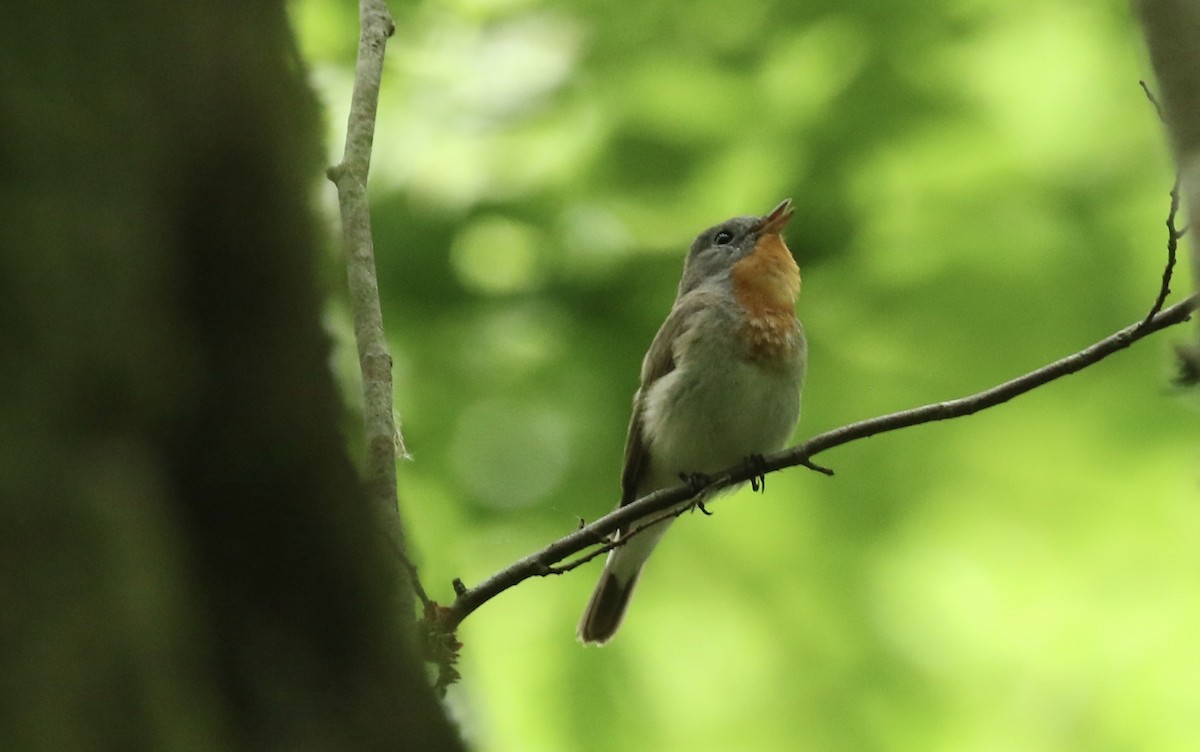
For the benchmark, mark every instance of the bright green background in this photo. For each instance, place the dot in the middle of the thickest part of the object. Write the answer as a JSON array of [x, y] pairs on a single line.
[[981, 188]]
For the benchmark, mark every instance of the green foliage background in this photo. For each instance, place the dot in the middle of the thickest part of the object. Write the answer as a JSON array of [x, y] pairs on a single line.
[[981, 188]]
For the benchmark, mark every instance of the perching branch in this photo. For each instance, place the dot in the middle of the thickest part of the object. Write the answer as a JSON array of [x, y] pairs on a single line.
[[350, 176], [542, 563]]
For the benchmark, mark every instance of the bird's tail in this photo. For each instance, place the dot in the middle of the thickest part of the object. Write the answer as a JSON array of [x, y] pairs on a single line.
[[609, 600], [606, 608]]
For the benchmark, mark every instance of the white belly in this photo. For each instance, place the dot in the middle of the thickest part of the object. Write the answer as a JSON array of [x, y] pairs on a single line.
[[703, 424]]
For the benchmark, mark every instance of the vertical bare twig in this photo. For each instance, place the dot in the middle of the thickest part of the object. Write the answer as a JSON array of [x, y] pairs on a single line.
[[1173, 234], [350, 176]]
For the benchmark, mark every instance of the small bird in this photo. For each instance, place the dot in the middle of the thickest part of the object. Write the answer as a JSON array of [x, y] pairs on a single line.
[[720, 383]]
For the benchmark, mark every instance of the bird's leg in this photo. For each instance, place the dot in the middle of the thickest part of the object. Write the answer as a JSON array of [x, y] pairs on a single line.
[[697, 482], [758, 465]]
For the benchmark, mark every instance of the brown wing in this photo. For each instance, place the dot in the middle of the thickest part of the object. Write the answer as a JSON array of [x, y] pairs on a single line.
[[635, 453], [659, 361]]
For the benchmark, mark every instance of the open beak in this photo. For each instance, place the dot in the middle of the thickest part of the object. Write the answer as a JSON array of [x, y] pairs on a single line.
[[777, 219]]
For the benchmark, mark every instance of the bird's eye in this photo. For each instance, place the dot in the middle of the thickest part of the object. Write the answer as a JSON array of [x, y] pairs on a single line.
[[723, 237]]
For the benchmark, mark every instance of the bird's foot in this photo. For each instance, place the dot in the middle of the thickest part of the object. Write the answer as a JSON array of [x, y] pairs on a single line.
[[697, 482], [757, 465]]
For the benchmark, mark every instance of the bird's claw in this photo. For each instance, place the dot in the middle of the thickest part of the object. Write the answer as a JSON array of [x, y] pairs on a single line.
[[758, 465], [696, 482]]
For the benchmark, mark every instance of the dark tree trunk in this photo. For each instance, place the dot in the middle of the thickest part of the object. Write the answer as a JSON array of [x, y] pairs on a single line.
[[187, 558]]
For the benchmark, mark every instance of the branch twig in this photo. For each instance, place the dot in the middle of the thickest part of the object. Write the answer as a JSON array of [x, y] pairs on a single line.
[[1153, 100], [350, 176], [1173, 234], [541, 563]]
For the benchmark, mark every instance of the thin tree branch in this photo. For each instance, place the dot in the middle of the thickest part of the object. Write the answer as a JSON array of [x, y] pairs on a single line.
[[542, 563], [1173, 234], [1153, 100], [350, 176]]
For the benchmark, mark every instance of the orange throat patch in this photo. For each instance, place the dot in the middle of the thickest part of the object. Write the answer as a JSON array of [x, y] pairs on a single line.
[[767, 283]]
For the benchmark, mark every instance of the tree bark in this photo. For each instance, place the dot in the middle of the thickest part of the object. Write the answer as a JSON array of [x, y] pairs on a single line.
[[188, 559]]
